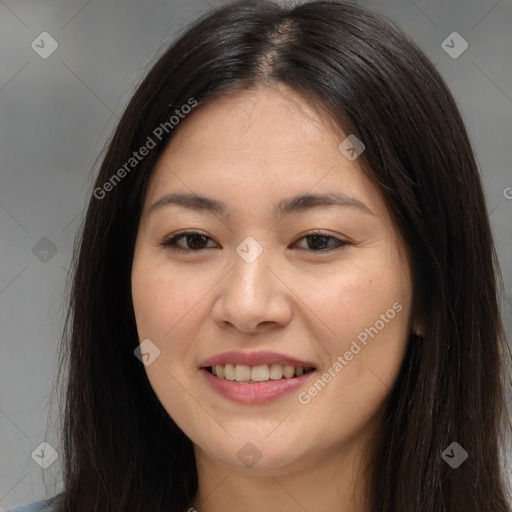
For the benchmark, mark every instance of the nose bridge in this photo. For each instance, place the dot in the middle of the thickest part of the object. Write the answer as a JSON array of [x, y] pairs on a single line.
[[252, 294], [250, 272]]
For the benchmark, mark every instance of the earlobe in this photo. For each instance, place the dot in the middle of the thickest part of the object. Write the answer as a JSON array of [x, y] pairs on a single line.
[[417, 330]]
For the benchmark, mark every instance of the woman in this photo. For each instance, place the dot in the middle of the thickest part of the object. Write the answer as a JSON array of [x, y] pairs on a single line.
[[285, 293]]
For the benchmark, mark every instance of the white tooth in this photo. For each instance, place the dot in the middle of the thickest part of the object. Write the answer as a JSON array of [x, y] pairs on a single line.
[[299, 371], [214, 371], [242, 372], [219, 371], [229, 372], [276, 371], [259, 372], [288, 371]]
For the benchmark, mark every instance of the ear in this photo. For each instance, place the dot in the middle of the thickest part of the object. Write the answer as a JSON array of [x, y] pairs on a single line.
[[417, 329]]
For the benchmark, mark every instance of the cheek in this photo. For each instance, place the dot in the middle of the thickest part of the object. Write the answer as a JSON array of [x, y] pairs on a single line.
[[353, 300], [160, 298], [151, 300], [366, 311], [162, 302]]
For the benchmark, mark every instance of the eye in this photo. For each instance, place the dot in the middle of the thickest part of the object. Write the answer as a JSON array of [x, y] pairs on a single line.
[[320, 242], [195, 242], [193, 238]]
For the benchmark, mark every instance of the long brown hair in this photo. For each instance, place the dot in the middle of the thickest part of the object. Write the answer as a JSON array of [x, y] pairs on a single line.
[[122, 451]]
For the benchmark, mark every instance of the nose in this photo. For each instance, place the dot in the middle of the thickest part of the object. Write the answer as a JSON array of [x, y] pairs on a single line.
[[253, 297]]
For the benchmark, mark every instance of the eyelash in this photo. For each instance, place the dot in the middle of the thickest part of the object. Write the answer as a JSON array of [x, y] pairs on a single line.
[[170, 243]]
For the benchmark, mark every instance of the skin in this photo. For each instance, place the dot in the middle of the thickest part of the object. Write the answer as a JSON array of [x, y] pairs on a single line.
[[251, 150]]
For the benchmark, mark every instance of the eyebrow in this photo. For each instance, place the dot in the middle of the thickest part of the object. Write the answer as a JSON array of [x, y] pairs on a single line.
[[299, 203]]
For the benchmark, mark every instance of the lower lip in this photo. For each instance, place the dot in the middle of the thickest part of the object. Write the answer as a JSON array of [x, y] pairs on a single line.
[[255, 393]]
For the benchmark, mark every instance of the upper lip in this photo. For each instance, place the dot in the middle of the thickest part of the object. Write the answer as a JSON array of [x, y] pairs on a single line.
[[253, 359]]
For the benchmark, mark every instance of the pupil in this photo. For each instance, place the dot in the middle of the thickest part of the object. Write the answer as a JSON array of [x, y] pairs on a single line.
[[322, 238], [195, 237]]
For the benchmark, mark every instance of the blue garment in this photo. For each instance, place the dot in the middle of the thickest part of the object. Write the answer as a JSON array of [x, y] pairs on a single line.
[[38, 506]]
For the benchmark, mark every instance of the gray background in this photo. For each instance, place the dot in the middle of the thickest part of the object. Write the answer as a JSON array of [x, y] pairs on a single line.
[[56, 115]]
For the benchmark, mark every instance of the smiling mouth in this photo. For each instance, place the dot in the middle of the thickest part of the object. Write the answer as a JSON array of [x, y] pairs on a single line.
[[259, 373]]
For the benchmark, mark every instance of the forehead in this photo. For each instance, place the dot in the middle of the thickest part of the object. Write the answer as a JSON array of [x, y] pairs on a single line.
[[261, 123], [266, 143]]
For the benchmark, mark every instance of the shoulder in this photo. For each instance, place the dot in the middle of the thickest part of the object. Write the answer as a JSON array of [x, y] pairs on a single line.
[[46, 505]]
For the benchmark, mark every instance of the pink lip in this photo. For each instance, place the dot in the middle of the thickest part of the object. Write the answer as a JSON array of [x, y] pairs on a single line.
[[253, 359], [258, 392]]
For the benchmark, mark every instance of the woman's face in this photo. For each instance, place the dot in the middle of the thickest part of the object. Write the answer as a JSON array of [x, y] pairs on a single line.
[[256, 290]]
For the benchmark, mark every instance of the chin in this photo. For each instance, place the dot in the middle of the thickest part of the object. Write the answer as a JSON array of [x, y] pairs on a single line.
[[256, 452]]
